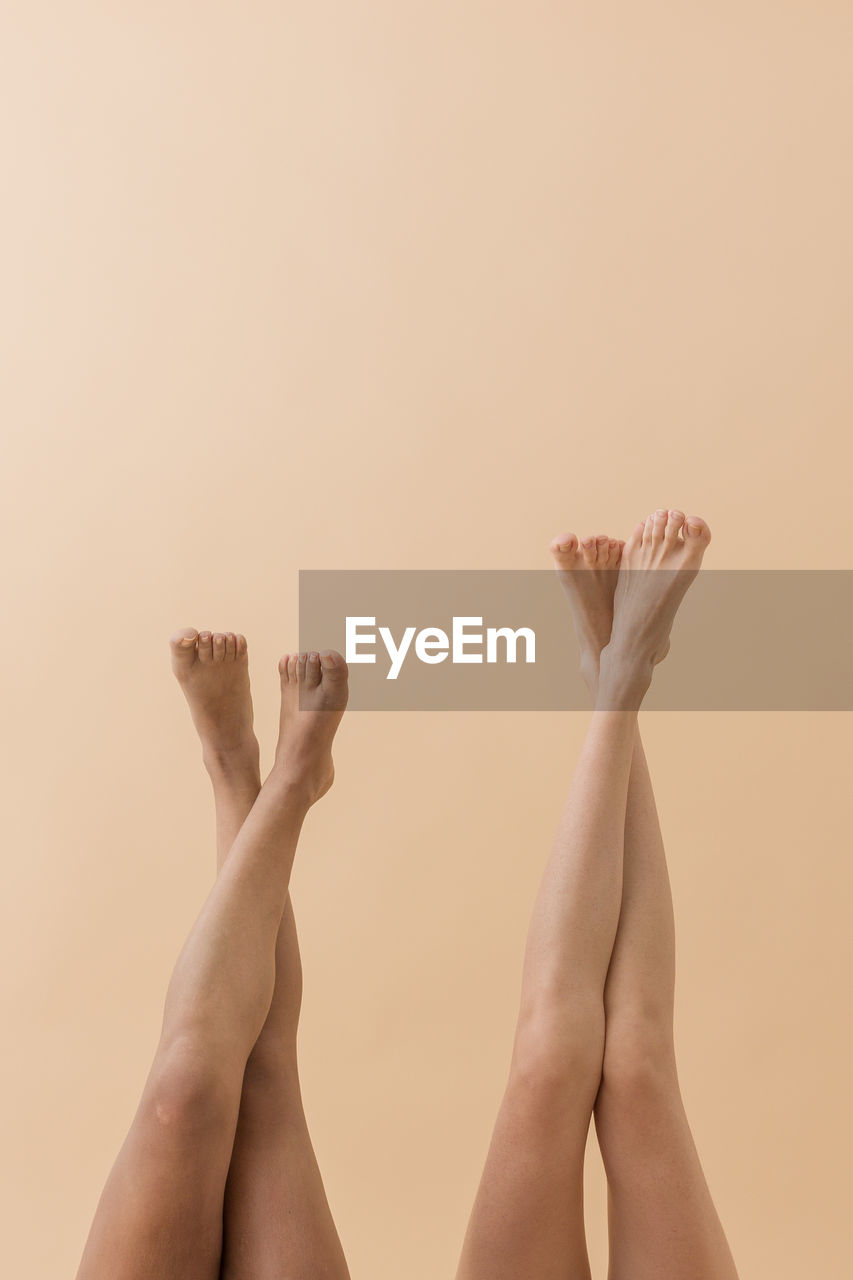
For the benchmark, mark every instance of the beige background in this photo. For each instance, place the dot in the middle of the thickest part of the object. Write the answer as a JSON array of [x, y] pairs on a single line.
[[371, 284]]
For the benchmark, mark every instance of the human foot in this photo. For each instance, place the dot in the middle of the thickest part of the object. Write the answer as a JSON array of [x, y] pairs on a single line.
[[588, 572], [659, 561], [313, 699], [212, 669]]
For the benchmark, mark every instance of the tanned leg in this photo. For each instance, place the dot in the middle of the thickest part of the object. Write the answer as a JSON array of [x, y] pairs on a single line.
[[161, 1212], [277, 1217], [663, 1223]]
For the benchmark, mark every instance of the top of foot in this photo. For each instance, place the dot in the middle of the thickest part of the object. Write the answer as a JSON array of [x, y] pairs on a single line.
[[314, 692], [212, 669], [646, 603]]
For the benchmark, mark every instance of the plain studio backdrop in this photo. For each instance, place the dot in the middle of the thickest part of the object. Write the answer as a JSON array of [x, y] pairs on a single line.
[[379, 284]]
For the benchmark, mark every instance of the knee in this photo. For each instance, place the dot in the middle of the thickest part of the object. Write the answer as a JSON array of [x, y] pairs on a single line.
[[189, 1089], [639, 1059], [558, 1053]]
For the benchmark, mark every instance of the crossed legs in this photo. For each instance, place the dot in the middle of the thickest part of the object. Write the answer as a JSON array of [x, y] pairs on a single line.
[[224, 1080], [594, 1033], [277, 1219]]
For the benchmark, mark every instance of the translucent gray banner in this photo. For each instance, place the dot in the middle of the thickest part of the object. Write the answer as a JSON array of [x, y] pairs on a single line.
[[496, 640]]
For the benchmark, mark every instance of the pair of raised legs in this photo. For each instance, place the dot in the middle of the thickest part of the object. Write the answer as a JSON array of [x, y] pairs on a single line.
[[595, 1030], [217, 1176]]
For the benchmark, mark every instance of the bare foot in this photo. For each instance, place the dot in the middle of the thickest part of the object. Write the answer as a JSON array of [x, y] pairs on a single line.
[[660, 560], [212, 668], [588, 572], [314, 695]]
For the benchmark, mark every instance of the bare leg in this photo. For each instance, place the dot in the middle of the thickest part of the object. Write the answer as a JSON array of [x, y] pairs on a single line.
[[160, 1215], [528, 1216], [527, 1219], [277, 1217], [662, 1220]]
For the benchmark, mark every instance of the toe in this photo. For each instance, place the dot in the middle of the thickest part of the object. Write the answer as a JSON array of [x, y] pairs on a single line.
[[636, 538], [283, 666], [658, 525], [230, 646], [696, 530], [205, 646], [333, 664], [183, 647], [334, 673], [183, 644], [242, 646], [564, 547], [301, 666], [588, 551], [218, 646], [312, 671], [674, 524], [602, 543]]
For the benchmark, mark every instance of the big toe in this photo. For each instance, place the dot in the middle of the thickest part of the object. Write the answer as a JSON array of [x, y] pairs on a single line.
[[635, 540], [564, 549], [334, 667], [696, 530], [183, 647], [697, 535]]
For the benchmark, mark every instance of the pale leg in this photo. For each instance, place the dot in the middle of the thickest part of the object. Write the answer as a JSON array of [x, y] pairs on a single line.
[[527, 1219], [663, 1223]]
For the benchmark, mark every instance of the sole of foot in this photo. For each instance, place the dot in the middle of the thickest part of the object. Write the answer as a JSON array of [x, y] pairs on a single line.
[[212, 668], [314, 691], [588, 570], [659, 562]]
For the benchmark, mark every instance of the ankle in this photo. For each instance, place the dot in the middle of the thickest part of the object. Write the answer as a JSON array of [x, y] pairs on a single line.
[[624, 678], [303, 775], [297, 788], [233, 766]]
